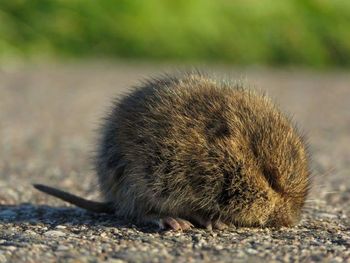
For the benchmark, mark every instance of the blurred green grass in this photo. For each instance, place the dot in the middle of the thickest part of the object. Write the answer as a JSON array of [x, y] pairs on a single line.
[[312, 33]]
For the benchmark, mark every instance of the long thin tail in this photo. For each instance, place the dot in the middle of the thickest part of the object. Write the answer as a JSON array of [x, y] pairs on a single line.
[[93, 206]]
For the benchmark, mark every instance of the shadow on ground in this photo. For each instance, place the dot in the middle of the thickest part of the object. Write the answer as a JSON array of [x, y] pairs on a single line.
[[54, 216]]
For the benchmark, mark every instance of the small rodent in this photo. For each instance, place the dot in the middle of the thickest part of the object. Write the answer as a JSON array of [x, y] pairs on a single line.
[[192, 151]]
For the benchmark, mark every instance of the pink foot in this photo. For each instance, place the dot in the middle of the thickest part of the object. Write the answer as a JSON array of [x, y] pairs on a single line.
[[176, 224], [219, 225], [210, 224]]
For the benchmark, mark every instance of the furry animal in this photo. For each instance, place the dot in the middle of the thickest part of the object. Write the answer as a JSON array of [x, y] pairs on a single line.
[[192, 151]]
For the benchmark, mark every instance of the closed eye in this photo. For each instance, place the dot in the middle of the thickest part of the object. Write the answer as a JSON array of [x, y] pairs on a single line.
[[273, 178]]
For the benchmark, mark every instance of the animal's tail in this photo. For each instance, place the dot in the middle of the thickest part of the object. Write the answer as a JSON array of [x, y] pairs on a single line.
[[93, 206]]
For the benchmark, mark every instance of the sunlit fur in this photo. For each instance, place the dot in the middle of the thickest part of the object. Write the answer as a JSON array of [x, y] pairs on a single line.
[[194, 147]]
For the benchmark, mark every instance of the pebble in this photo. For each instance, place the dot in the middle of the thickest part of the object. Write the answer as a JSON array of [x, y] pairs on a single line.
[[54, 233], [251, 251], [30, 233], [60, 227], [62, 248], [10, 248]]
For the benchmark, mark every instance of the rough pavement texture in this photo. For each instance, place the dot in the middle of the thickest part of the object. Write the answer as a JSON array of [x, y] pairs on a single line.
[[48, 118]]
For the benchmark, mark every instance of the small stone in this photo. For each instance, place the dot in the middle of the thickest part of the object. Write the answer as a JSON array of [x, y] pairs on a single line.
[[54, 233], [10, 248], [60, 227], [62, 248], [112, 260], [219, 247], [30, 233], [251, 251], [39, 246]]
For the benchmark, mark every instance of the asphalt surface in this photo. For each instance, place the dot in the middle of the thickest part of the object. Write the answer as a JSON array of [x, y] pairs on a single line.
[[48, 120]]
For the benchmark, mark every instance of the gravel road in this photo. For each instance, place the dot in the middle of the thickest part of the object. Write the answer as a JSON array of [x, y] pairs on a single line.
[[48, 118]]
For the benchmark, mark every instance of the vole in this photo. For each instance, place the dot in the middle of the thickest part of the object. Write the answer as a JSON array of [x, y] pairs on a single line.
[[189, 150]]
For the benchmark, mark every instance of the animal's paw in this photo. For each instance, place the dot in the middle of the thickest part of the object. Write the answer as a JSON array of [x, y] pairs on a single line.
[[210, 224], [219, 225], [176, 224]]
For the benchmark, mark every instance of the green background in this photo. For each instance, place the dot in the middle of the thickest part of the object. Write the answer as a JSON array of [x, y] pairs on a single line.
[[309, 33]]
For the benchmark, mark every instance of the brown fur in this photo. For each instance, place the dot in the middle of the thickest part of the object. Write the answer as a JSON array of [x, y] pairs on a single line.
[[192, 146], [202, 150]]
